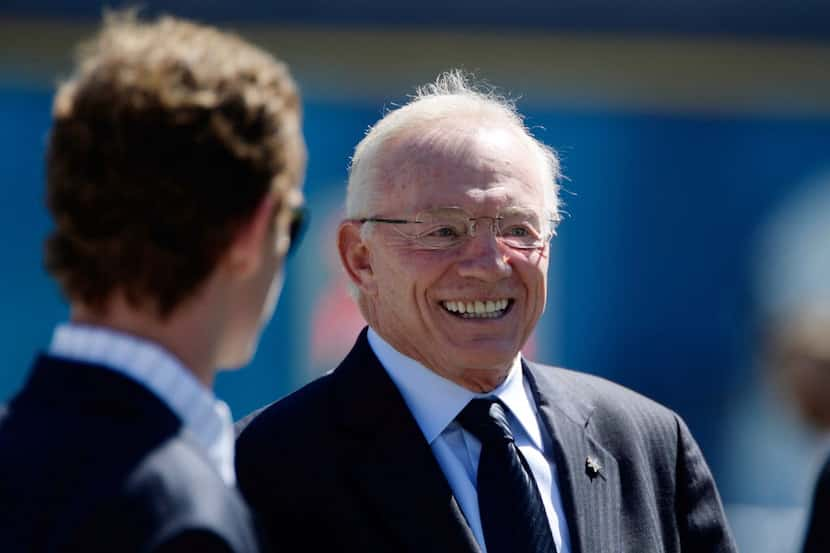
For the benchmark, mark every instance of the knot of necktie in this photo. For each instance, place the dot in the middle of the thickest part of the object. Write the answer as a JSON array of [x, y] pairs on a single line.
[[485, 418]]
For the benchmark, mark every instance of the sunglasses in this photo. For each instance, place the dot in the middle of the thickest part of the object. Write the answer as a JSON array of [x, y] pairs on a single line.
[[299, 221]]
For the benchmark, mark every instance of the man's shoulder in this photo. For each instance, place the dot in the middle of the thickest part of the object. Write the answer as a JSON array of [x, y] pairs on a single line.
[[309, 409], [288, 452], [625, 423], [300, 412], [599, 390], [174, 494], [607, 405], [112, 494], [179, 472], [817, 538]]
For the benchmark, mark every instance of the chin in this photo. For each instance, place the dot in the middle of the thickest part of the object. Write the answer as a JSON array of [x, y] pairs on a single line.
[[484, 346]]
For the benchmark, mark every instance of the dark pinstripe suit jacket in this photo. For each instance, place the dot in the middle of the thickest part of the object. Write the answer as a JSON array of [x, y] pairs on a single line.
[[341, 465]]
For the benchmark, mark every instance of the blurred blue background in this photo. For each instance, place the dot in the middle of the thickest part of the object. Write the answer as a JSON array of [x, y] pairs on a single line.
[[688, 131]]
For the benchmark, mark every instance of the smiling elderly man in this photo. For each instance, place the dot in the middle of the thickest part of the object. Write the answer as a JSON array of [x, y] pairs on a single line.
[[435, 434]]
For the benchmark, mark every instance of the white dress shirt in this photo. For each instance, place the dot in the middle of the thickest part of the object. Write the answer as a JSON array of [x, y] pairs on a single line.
[[206, 418], [435, 402]]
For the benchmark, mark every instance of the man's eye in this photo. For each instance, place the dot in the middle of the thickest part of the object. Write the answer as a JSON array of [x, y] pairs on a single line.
[[516, 230], [444, 232]]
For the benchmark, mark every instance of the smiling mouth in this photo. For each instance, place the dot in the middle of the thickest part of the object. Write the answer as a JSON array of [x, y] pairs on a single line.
[[478, 309]]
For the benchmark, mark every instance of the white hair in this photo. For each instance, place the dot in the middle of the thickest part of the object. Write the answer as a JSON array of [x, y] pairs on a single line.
[[451, 96]]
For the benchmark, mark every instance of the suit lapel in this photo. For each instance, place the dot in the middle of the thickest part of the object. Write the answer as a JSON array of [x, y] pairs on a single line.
[[390, 461], [588, 475]]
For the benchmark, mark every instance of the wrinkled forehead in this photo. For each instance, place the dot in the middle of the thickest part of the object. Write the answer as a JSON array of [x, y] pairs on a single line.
[[446, 163]]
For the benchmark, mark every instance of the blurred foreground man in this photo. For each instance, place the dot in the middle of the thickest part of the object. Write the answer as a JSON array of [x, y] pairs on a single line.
[[435, 434], [174, 166]]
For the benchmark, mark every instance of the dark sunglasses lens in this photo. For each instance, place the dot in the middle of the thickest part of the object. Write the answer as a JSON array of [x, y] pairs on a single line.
[[299, 221]]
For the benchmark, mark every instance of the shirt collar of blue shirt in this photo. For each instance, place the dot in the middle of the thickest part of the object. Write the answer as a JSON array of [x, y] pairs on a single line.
[[435, 401], [205, 417]]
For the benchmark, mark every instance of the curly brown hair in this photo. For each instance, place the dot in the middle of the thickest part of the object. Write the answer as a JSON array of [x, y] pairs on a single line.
[[164, 141]]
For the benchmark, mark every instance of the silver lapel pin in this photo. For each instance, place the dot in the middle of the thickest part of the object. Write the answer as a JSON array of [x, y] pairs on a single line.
[[592, 467]]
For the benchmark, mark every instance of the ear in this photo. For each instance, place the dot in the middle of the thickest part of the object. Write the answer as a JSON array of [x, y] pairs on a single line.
[[254, 236], [355, 256]]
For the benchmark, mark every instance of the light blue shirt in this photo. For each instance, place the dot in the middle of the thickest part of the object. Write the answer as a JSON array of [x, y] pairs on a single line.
[[435, 402], [206, 418]]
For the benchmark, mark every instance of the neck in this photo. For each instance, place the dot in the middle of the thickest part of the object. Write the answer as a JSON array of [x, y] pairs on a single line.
[[185, 333], [481, 381], [478, 380]]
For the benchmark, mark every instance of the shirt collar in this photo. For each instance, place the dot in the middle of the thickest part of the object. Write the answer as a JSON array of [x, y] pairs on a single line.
[[205, 417], [435, 401]]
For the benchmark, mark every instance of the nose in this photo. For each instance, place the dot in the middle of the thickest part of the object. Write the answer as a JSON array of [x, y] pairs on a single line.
[[484, 258]]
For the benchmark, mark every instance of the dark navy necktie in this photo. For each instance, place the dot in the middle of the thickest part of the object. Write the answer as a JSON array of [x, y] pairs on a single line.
[[513, 517]]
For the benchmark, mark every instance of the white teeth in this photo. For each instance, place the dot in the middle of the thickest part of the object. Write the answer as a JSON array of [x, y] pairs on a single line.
[[477, 309]]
